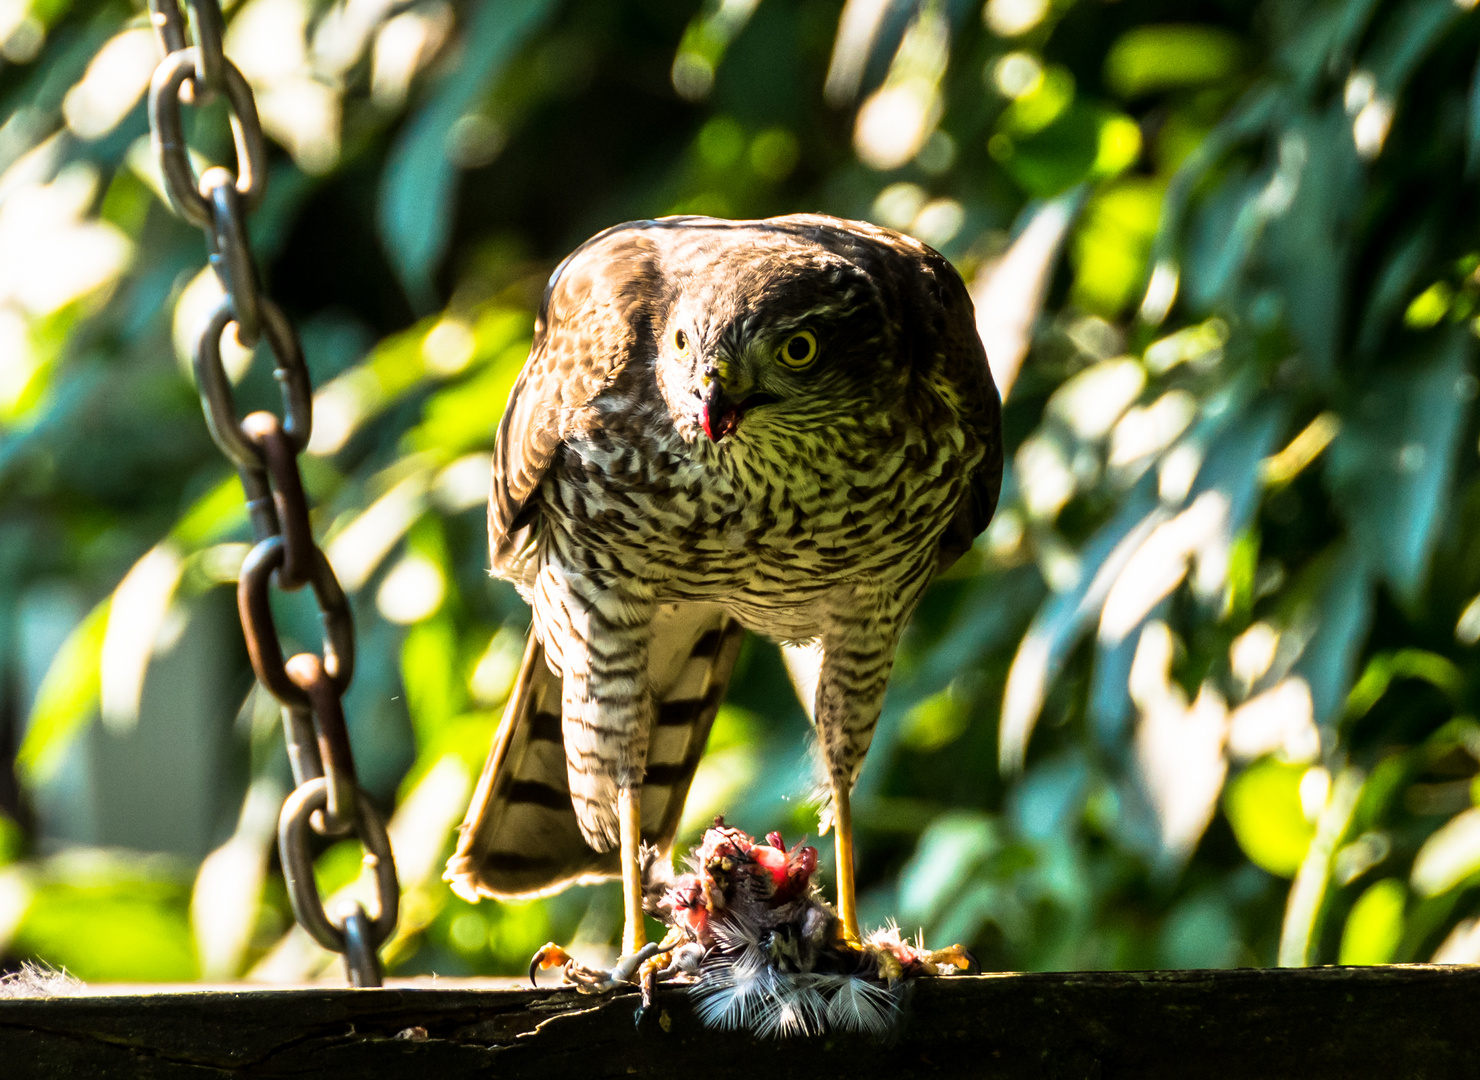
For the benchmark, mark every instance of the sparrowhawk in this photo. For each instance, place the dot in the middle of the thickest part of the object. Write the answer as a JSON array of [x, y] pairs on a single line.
[[786, 426]]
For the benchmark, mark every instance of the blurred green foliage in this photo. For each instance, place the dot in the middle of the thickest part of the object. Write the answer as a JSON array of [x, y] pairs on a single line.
[[1203, 695]]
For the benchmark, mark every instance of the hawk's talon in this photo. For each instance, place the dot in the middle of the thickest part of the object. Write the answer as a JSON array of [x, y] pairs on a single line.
[[890, 969], [551, 955], [626, 968], [647, 977], [957, 957], [673, 963], [588, 980]]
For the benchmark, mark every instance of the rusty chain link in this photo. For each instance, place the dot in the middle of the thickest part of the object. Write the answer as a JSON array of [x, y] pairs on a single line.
[[265, 448]]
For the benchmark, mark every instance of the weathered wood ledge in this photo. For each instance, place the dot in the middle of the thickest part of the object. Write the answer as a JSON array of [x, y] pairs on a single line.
[[1393, 1022]]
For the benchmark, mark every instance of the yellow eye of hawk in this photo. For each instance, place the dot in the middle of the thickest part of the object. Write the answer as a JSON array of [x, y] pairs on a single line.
[[799, 350], [680, 342]]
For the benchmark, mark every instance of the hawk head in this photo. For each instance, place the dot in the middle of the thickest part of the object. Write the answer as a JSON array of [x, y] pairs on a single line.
[[764, 334]]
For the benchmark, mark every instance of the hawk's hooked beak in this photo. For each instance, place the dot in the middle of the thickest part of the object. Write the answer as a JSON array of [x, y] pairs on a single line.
[[721, 416], [722, 412]]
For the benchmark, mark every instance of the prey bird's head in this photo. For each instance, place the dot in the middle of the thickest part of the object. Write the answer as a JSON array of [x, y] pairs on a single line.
[[761, 335]]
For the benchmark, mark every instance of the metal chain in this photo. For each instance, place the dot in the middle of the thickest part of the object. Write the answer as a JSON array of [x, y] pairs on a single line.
[[265, 448]]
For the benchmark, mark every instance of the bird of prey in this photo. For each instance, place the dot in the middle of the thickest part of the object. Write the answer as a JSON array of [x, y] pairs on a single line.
[[786, 426]]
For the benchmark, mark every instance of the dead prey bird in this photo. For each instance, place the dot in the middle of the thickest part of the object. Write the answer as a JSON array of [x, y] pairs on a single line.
[[762, 950]]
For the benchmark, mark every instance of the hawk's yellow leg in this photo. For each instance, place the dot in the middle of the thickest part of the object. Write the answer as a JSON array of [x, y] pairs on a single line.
[[843, 845], [629, 817]]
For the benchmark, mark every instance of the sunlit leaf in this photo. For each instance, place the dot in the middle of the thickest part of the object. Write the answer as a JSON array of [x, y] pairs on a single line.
[[466, 416], [516, 930], [1448, 857], [1429, 306], [106, 921], [1263, 806], [1062, 619], [467, 737], [215, 515], [68, 698], [1080, 141], [1381, 670], [934, 723], [429, 671], [1113, 245], [1374, 928], [1151, 58]]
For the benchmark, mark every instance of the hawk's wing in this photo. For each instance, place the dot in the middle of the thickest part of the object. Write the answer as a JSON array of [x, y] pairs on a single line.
[[936, 322], [595, 317], [982, 415]]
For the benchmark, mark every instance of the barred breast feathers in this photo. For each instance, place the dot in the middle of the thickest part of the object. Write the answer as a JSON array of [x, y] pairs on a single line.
[[586, 439]]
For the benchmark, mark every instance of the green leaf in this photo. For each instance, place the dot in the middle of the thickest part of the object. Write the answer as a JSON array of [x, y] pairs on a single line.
[[1374, 929], [420, 178], [12, 840], [1448, 857], [1263, 807], [1472, 127], [1221, 233], [1392, 465], [1242, 437], [1050, 797], [1410, 255], [1065, 616], [1338, 595], [1305, 214], [105, 921], [1201, 932], [949, 850], [1082, 141], [1407, 35], [1381, 670], [1151, 58], [216, 514], [67, 700], [1113, 245]]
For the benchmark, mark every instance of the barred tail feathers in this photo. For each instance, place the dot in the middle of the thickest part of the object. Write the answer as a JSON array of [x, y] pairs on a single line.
[[520, 837]]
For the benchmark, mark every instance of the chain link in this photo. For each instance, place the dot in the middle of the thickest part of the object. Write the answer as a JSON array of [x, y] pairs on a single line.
[[265, 448], [168, 126]]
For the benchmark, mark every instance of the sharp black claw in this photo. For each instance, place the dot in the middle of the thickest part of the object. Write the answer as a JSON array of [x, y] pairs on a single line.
[[972, 966], [533, 967]]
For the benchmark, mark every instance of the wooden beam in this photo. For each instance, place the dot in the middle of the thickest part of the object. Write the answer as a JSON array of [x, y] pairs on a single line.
[[1392, 1022]]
